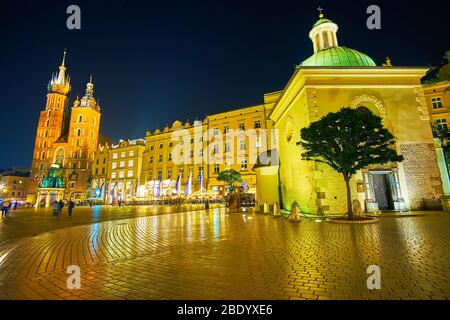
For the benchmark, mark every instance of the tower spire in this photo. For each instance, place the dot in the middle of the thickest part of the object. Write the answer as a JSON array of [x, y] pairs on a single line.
[[62, 70], [64, 58], [60, 82]]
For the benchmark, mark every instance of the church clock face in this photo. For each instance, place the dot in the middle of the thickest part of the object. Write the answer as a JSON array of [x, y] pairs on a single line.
[[289, 129]]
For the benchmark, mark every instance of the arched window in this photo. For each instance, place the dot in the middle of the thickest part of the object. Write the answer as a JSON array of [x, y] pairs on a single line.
[[46, 134], [43, 156], [45, 144], [78, 132], [326, 43], [80, 118], [318, 42], [59, 156], [49, 113], [364, 109], [47, 122]]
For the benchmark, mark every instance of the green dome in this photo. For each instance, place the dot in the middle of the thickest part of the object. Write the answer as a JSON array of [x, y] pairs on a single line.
[[339, 57], [320, 21]]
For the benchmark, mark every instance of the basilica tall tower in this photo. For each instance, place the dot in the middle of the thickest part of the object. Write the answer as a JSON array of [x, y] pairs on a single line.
[[51, 124]]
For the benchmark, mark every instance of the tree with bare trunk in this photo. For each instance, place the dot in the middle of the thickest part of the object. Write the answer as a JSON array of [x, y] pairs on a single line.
[[347, 141]]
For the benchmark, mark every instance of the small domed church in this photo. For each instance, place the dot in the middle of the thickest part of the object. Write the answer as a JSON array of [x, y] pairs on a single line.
[[334, 77]]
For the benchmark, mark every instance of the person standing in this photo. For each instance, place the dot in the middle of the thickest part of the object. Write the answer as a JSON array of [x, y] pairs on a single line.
[[61, 206], [70, 207], [55, 206], [5, 209]]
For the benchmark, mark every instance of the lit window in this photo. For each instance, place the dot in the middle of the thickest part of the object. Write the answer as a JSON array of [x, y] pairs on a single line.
[[114, 165], [113, 175], [114, 155], [243, 165], [122, 164], [436, 102], [131, 153], [130, 173], [122, 154], [216, 131], [216, 149], [258, 142], [227, 147], [121, 174], [442, 124], [242, 145], [131, 163]]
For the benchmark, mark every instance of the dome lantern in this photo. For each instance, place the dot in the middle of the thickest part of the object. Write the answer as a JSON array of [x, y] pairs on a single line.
[[323, 33]]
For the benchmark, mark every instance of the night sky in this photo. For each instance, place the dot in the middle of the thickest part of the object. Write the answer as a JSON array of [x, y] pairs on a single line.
[[157, 61]]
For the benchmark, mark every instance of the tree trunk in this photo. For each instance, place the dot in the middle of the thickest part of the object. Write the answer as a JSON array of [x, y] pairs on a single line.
[[349, 196]]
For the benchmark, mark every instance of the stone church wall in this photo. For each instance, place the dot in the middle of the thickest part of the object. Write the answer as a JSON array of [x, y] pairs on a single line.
[[421, 173]]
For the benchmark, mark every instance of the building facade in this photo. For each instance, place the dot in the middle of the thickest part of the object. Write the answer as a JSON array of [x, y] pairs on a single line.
[[13, 186], [184, 156], [65, 145], [437, 96]]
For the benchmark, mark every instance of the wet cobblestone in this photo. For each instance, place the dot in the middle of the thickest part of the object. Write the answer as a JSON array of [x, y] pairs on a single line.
[[212, 255]]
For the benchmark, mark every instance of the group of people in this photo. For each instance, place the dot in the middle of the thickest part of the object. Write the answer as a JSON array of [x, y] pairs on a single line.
[[6, 206], [59, 205]]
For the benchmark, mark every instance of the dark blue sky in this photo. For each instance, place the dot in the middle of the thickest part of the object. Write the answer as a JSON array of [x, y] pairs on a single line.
[[157, 61]]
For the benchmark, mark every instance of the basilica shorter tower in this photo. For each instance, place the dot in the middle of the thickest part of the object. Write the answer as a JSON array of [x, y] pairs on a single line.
[[65, 143]]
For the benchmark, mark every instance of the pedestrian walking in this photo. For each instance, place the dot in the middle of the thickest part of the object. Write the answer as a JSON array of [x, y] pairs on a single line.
[[61, 206], [5, 207], [55, 206], [70, 207]]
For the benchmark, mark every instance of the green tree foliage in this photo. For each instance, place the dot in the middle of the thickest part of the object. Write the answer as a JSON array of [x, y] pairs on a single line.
[[348, 140], [230, 177], [444, 71]]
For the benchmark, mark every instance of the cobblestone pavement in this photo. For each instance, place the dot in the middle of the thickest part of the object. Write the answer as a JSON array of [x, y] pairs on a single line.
[[31, 222], [212, 255]]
